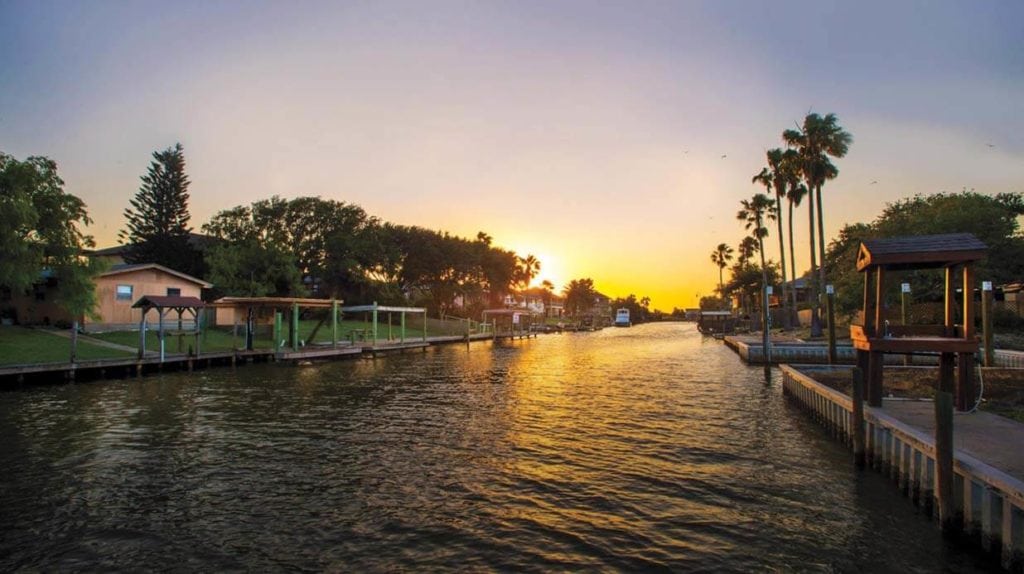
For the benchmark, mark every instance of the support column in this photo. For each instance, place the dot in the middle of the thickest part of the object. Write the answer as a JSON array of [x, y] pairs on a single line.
[[986, 323], [160, 332], [950, 293], [277, 331], [403, 326], [334, 323], [858, 418], [876, 360], [946, 372], [424, 325], [944, 460], [295, 326], [142, 334], [374, 322], [965, 361]]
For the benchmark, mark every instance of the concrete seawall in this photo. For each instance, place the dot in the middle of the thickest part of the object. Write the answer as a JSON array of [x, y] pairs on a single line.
[[816, 353], [989, 502]]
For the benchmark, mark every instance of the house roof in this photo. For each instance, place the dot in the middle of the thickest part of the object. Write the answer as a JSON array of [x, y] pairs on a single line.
[[164, 301], [197, 241], [272, 302], [129, 267], [920, 251]]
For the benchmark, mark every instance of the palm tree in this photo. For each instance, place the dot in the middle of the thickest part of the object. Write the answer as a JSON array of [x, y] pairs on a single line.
[[528, 269], [773, 178], [818, 138], [755, 211], [579, 296], [721, 257], [747, 248], [795, 192]]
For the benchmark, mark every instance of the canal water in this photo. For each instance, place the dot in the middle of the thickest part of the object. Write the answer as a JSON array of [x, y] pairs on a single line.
[[628, 449]]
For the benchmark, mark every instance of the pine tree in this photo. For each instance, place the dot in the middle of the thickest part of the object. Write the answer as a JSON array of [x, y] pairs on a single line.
[[157, 228]]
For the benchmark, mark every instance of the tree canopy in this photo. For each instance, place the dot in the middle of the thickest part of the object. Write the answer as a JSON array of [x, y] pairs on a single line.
[[42, 233], [993, 219]]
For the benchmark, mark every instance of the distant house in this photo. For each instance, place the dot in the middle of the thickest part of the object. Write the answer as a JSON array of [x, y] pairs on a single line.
[[116, 255], [116, 290], [123, 285]]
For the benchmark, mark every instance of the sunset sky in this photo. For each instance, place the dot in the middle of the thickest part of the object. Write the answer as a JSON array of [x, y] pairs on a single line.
[[590, 134]]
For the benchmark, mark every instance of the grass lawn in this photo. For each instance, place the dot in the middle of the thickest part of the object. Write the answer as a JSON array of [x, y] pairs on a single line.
[[222, 338], [19, 345]]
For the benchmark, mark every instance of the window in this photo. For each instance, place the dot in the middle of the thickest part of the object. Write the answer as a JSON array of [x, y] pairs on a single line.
[[174, 292], [124, 292]]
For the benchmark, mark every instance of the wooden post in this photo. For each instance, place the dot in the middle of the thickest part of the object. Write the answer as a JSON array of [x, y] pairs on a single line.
[[181, 327], [374, 322], [858, 418], [904, 293], [950, 319], [766, 339], [142, 334], [403, 326], [965, 361], [876, 360], [830, 302], [74, 341], [869, 318], [880, 303], [277, 331], [424, 325], [295, 326], [946, 372], [250, 328], [944, 459], [160, 332], [334, 323], [986, 323]]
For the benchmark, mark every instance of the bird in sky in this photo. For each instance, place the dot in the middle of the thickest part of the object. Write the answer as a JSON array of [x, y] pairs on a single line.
[[873, 182], [990, 145], [723, 156]]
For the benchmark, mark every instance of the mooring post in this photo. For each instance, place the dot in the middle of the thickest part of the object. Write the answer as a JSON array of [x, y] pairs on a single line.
[[904, 293], [986, 323], [944, 459], [830, 303], [857, 429], [295, 326]]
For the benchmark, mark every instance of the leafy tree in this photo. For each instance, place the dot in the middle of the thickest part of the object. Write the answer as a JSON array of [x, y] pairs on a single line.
[[993, 219], [157, 227], [746, 250], [579, 296], [249, 268], [721, 257], [41, 232]]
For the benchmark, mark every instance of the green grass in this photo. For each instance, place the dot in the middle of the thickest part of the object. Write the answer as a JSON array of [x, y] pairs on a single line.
[[19, 345]]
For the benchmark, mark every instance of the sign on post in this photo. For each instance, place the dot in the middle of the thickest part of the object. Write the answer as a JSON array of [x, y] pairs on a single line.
[[986, 285], [830, 290], [905, 288]]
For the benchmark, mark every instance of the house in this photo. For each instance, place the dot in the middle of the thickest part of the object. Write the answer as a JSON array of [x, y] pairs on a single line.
[[116, 290], [124, 284], [116, 255]]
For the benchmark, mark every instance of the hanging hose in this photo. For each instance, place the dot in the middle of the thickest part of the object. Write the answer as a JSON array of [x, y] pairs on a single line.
[[981, 388]]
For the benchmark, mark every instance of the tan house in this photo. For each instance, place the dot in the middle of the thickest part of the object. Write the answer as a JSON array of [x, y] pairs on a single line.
[[124, 284]]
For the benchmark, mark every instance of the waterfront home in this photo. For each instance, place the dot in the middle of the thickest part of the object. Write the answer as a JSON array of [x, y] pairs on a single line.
[[116, 290]]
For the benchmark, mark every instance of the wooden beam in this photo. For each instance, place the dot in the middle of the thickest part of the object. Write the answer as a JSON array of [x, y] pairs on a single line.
[[969, 301], [950, 319], [879, 302], [869, 320]]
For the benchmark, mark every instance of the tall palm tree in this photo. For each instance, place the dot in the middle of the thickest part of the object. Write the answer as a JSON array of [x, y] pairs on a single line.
[[817, 140], [774, 178], [721, 257], [755, 211], [795, 192]]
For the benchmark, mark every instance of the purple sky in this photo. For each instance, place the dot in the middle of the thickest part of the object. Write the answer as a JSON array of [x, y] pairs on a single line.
[[587, 133]]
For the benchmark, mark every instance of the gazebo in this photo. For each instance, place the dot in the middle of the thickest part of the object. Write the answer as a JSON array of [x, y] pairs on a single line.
[[518, 320], [162, 305], [874, 338]]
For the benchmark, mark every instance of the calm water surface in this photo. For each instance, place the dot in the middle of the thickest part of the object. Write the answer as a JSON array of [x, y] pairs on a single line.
[[629, 449]]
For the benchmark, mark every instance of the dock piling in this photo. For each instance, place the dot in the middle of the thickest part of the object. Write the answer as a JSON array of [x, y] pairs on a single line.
[[944, 459]]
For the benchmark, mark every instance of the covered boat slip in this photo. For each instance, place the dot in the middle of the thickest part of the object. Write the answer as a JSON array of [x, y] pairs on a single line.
[[955, 344], [375, 312], [163, 305], [509, 323]]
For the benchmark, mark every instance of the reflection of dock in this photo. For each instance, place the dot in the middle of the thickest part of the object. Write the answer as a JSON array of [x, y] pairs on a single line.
[[134, 367]]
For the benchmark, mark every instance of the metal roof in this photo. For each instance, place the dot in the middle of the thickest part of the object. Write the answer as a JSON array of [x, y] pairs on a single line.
[[920, 251], [276, 302]]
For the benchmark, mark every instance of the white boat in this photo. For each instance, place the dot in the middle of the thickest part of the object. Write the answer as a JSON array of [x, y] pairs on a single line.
[[622, 318]]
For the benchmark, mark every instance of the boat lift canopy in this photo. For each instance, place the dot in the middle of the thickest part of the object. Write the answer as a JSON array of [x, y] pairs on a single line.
[[375, 310]]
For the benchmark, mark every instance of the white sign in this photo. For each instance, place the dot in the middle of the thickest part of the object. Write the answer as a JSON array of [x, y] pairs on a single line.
[[905, 287], [986, 285], [768, 289], [515, 318], [830, 290]]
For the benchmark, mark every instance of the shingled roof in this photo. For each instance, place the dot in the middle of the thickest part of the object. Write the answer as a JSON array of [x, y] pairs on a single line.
[[168, 301], [920, 251]]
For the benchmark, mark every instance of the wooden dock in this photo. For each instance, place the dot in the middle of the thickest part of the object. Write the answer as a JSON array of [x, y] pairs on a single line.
[[134, 367]]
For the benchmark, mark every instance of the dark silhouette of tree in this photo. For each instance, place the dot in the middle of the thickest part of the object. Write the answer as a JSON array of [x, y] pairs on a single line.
[[721, 257], [157, 228]]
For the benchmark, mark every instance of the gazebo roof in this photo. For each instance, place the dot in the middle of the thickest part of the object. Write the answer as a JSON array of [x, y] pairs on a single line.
[[273, 302], [920, 251], [168, 301]]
